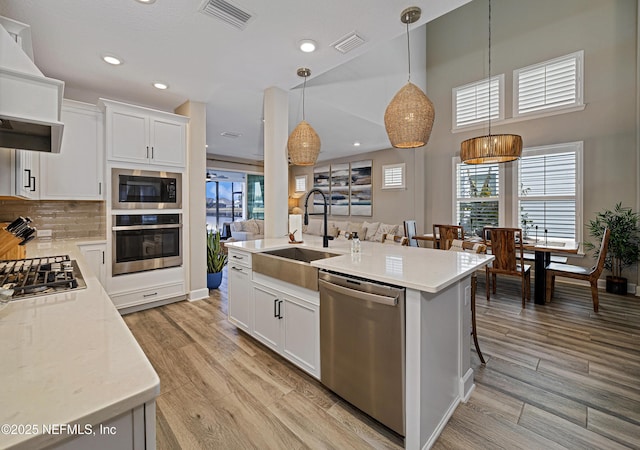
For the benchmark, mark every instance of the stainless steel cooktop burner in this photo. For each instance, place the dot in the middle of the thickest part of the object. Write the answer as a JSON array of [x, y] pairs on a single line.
[[39, 276]]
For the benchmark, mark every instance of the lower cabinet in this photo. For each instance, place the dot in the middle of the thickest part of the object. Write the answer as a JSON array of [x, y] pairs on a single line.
[[240, 297], [289, 325], [94, 257]]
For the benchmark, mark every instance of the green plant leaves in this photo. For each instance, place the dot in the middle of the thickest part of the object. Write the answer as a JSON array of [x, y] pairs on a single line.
[[216, 257]]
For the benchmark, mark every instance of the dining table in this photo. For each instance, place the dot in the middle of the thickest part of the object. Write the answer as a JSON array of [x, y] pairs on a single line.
[[542, 250]]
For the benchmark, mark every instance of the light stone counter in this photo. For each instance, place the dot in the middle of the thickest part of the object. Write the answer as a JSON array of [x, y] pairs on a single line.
[[67, 358], [423, 269]]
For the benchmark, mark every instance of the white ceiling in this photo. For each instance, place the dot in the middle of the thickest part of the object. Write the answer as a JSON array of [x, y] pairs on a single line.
[[206, 60]]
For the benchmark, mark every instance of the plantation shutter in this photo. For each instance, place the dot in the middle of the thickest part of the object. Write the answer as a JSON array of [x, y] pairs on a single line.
[[473, 102], [547, 195], [551, 85], [393, 176], [477, 196]]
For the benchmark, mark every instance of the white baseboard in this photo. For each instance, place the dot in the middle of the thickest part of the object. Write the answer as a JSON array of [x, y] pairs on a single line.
[[198, 294]]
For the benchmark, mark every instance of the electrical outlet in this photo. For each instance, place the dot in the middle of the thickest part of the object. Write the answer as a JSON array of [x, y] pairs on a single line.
[[44, 234]]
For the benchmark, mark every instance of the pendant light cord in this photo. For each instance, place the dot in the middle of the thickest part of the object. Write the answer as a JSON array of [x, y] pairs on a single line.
[[304, 85], [408, 49], [490, 140]]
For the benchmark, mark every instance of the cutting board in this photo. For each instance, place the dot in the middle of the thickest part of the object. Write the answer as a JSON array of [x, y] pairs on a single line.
[[9, 248]]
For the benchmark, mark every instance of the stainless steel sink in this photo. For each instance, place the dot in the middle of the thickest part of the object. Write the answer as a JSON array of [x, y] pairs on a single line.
[[291, 265]]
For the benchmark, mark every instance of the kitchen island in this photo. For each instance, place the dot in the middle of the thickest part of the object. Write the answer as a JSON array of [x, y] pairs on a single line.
[[438, 374], [71, 374]]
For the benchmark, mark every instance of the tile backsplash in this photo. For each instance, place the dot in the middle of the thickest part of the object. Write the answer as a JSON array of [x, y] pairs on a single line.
[[65, 218]]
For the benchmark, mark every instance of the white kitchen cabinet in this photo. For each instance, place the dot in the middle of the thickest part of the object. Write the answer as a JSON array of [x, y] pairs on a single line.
[[76, 173], [267, 317], [301, 333], [27, 174], [140, 135], [94, 256], [240, 290], [288, 325]]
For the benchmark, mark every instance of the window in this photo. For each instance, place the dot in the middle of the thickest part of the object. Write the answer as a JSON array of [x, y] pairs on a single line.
[[548, 86], [549, 194], [393, 176], [473, 102], [301, 183], [478, 196]]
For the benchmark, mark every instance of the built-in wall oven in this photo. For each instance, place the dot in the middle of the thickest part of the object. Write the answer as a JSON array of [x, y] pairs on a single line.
[[145, 189], [146, 242]]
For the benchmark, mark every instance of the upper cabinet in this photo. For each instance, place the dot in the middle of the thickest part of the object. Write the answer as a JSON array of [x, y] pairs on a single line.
[[145, 136], [76, 173]]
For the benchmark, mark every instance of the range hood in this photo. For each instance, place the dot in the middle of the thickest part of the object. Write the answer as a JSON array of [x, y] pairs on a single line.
[[30, 103]]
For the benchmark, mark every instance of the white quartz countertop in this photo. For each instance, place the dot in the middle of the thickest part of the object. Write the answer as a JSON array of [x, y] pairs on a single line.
[[423, 269], [67, 358]]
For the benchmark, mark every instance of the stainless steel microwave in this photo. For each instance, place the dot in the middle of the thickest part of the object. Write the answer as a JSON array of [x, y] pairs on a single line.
[[145, 189]]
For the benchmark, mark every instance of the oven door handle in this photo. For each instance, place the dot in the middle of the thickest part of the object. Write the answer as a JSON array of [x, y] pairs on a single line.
[[146, 227]]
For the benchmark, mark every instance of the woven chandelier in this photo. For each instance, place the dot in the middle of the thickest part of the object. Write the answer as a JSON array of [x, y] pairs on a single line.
[[303, 144], [409, 117], [491, 148]]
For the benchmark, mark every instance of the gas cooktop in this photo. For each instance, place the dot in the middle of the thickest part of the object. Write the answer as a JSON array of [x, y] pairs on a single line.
[[40, 276]]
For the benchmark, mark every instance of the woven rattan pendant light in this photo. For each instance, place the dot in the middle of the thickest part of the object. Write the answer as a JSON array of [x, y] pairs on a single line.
[[492, 148], [303, 143], [409, 117]]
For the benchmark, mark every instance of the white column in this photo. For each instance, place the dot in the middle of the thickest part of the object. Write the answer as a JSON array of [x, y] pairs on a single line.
[[276, 168], [194, 191]]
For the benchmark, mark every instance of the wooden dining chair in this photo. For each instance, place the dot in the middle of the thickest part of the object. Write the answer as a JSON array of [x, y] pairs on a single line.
[[443, 235], [473, 247], [509, 258], [580, 273], [395, 240], [410, 230]]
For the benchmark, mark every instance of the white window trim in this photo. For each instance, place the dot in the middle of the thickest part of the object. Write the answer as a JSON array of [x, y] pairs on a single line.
[[501, 192], [303, 178], [550, 149], [577, 106], [481, 123], [403, 170]]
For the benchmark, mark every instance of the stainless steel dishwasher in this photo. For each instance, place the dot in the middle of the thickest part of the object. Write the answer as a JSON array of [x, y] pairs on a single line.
[[362, 345]]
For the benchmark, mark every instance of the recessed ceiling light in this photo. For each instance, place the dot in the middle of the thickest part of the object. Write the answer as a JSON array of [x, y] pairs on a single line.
[[356, 144], [307, 45], [110, 59], [161, 86], [147, 2]]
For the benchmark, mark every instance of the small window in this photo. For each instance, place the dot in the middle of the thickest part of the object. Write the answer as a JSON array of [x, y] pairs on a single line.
[[393, 176], [552, 85], [473, 102], [301, 183]]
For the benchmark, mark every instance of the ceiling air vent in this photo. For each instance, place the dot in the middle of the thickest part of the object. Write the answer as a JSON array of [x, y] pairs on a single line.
[[230, 134], [227, 12], [347, 43]]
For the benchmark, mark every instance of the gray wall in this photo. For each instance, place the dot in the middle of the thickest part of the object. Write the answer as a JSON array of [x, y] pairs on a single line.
[[391, 206], [524, 33]]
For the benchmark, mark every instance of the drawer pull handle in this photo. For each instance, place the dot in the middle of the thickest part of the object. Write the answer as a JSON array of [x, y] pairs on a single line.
[[239, 269], [238, 257], [149, 295]]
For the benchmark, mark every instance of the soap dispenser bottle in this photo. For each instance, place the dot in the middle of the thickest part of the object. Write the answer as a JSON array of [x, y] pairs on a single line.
[[355, 244]]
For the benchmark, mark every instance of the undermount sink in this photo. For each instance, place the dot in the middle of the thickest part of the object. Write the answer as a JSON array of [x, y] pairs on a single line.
[[291, 265]]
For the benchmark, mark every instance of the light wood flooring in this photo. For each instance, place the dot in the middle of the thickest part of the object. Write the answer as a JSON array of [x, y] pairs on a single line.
[[557, 376]]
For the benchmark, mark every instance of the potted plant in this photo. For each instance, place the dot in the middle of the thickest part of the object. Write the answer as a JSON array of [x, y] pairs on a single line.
[[624, 243], [216, 259]]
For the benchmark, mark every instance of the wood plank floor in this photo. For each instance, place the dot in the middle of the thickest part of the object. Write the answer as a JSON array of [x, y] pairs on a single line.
[[557, 376]]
